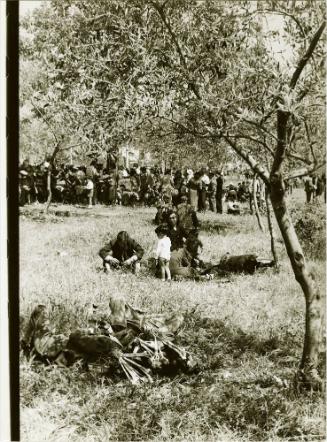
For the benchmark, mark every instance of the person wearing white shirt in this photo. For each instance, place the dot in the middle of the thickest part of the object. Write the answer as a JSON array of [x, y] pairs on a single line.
[[162, 253], [89, 190]]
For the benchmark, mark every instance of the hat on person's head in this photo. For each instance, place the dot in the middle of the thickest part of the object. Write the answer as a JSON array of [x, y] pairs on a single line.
[[23, 172]]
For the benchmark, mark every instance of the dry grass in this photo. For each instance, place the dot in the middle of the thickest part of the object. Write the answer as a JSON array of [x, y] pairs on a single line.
[[246, 335]]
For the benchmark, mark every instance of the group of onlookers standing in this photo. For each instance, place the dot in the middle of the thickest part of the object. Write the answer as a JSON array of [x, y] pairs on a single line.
[[95, 184], [204, 189], [314, 187]]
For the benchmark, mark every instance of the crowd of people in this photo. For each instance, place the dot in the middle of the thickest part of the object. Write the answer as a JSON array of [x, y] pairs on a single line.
[[204, 189]]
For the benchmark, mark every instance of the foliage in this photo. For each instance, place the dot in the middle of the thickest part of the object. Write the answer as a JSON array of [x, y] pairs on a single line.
[[310, 225], [202, 71]]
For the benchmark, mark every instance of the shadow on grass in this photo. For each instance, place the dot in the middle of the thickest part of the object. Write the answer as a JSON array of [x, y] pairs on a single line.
[[222, 346], [222, 228]]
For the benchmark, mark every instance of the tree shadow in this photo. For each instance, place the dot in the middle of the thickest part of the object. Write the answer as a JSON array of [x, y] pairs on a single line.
[[223, 346], [219, 227]]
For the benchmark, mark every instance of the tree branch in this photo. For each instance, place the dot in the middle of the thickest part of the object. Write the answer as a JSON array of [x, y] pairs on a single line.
[[160, 9], [70, 147], [255, 140], [282, 116], [309, 140], [258, 125], [46, 121], [274, 11], [305, 171], [185, 128], [297, 157], [307, 55], [255, 166]]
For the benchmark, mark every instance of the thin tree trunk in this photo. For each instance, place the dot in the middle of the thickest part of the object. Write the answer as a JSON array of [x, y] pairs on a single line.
[[255, 203], [271, 230], [50, 169], [314, 306], [308, 372], [49, 199]]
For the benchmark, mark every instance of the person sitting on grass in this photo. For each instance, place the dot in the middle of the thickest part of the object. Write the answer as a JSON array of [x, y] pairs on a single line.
[[122, 251], [162, 254], [233, 207], [176, 233]]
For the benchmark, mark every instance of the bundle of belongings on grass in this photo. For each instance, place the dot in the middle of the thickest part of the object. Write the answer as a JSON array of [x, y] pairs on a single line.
[[123, 340], [238, 264]]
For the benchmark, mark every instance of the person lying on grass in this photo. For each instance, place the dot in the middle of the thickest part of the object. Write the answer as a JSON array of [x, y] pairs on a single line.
[[122, 251]]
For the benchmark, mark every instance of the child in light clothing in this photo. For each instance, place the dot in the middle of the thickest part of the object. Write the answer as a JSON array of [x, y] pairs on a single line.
[[162, 253]]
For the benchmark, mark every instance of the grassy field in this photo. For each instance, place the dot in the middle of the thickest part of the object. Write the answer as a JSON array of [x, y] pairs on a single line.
[[247, 335]]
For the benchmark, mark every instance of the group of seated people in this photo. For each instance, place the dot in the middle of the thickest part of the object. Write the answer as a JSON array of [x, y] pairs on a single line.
[[176, 229]]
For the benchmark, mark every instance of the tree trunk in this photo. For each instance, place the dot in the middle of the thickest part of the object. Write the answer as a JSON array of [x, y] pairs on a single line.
[[271, 230], [49, 199], [308, 370], [50, 169], [255, 203]]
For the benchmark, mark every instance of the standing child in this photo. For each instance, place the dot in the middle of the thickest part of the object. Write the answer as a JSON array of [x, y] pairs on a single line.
[[163, 252]]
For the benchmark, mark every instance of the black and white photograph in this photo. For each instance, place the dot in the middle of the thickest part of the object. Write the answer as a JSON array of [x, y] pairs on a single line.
[[171, 203]]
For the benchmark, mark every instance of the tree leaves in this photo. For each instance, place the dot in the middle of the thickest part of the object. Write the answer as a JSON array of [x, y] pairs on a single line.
[[203, 66]]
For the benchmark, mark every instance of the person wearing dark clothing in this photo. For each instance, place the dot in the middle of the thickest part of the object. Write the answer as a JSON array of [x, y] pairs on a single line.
[[111, 189], [176, 234], [134, 181], [167, 187], [219, 192], [187, 218], [41, 186], [202, 192], [163, 212], [194, 188], [242, 193], [183, 189], [320, 187], [26, 185], [309, 188], [122, 251], [112, 158], [146, 183], [211, 192], [93, 174]]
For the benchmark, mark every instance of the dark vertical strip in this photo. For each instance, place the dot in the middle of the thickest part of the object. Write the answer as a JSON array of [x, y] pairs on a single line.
[[13, 238]]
